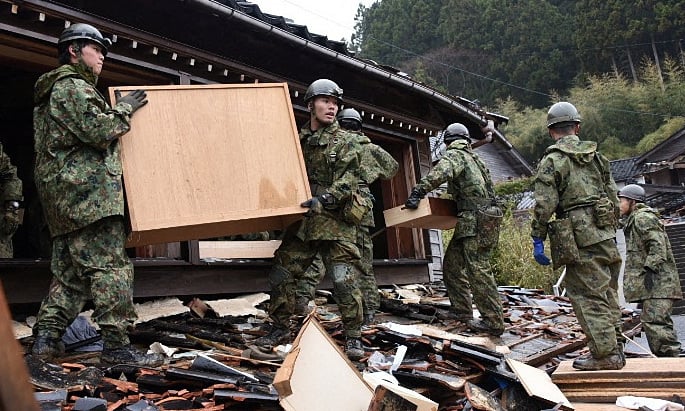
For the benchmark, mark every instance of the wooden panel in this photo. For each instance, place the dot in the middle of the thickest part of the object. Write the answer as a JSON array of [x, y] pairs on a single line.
[[538, 384], [206, 161], [238, 249], [432, 213], [316, 375]]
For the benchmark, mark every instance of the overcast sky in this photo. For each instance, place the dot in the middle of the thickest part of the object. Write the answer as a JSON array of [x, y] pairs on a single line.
[[332, 18]]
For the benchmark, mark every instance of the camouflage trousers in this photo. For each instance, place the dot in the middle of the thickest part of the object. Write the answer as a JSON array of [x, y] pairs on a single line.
[[340, 259], [658, 326], [466, 271], [592, 285], [366, 282], [90, 263]]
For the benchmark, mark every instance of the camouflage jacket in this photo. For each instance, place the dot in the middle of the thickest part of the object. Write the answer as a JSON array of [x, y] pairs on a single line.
[[571, 178], [78, 169], [10, 190], [376, 163], [333, 160], [647, 246], [468, 183]]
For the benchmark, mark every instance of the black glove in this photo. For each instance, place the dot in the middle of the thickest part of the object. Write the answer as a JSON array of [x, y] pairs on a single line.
[[650, 276], [317, 204], [415, 198], [136, 98]]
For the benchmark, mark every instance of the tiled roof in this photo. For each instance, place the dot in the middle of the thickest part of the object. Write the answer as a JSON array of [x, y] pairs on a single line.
[[252, 9], [624, 169]]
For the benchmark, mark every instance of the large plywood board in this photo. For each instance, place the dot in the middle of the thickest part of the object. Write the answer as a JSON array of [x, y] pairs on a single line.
[[433, 212], [205, 161], [316, 375]]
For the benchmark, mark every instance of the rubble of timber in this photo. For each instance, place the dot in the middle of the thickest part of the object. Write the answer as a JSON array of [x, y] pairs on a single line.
[[418, 357]]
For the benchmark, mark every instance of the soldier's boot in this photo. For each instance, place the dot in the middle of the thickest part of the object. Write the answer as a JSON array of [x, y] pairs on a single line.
[[302, 307], [621, 353], [612, 361], [130, 355], [483, 327], [353, 348], [47, 348], [279, 334]]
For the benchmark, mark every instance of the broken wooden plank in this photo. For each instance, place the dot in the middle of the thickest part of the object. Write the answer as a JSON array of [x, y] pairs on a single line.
[[377, 379], [538, 384], [386, 400], [432, 213], [238, 249]]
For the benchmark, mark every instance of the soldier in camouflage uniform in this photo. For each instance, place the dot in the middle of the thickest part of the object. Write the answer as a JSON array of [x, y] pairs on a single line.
[[375, 163], [466, 266], [78, 177], [573, 180], [332, 158], [10, 198], [650, 275]]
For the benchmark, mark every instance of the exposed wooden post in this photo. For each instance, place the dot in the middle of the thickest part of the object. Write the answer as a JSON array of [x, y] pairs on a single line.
[[16, 392]]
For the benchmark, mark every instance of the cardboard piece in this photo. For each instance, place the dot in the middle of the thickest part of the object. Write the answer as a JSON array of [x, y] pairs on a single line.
[[538, 384], [433, 212], [316, 375], [204, 161], [238, 249]]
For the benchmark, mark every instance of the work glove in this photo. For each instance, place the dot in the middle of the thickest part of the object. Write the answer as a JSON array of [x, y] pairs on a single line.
[[650, 276], [318, 203], [136, 98], [539, 251], [414, 198]]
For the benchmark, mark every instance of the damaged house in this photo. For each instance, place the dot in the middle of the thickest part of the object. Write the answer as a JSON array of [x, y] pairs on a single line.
[[195, 42]]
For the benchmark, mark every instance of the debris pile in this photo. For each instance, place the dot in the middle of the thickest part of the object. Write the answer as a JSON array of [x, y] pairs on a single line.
[[417, 354]]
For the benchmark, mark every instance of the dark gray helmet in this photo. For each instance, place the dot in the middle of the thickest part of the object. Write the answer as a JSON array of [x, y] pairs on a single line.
[[82, 31], [455, 131], [323, 87], [562, 112], [350, 119], [633, 192]]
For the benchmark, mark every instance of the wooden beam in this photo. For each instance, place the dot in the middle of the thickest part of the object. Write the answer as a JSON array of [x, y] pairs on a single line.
[[166, 277], [16, 392]]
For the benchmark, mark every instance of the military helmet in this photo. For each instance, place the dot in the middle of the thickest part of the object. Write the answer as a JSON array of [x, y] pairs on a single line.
[[82, 31], [633, 192], [323, 87], [455, 131], [562, 112], [350, 119]]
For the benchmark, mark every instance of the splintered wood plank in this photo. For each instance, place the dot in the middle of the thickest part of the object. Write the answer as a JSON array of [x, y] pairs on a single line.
[[587, 406], [205, 161], [610, 394], [636, 369], [538, 384], [432, 213]]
